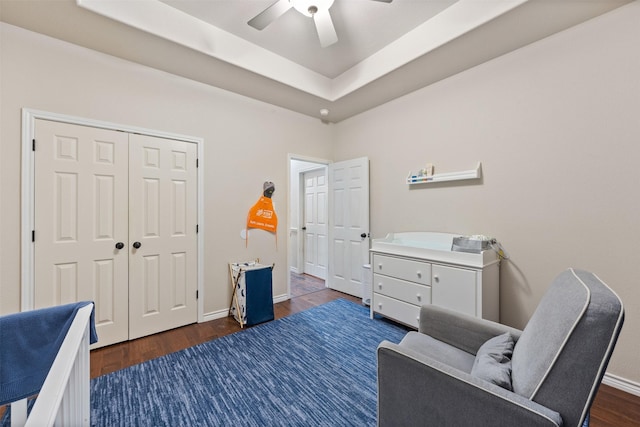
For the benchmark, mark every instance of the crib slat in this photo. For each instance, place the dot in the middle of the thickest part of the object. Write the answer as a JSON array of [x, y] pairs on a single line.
[[19, 413], [75, 405], [64, 397]]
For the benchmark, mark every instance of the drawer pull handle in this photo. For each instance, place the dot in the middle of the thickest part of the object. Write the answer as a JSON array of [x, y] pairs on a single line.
[[436, 278], [380, 266], [379, 285], [380, 305], [419, 273], [419, 297]]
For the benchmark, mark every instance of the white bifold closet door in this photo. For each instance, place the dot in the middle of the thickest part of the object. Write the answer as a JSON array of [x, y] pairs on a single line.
[[162, 220], [97, 192]]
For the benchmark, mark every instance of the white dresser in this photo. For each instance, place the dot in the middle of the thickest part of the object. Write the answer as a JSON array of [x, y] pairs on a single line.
[[416, 268]]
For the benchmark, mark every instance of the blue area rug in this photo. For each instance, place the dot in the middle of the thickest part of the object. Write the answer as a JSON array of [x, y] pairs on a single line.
[[314, 368]]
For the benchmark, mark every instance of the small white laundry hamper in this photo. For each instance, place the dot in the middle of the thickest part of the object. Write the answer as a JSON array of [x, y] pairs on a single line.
[[252, 297]]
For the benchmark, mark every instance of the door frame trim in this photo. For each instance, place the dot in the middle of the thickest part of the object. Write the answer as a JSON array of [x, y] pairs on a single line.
[[27, 256], [320, 163]]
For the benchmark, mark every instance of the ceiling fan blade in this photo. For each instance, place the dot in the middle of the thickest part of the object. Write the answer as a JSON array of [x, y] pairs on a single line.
[[270, 14], [324, 27]]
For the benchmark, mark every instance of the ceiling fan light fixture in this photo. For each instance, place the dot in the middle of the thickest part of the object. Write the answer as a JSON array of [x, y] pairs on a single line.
[[311, 7]]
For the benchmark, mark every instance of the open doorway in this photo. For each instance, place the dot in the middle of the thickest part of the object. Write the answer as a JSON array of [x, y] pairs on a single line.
[[308, 223], [347, 217]]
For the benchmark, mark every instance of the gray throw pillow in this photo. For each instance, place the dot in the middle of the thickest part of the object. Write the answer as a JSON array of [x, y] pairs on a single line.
[[493, 361]]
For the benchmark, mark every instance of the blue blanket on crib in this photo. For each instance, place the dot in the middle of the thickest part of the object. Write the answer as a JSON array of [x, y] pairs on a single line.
[[29, 342]]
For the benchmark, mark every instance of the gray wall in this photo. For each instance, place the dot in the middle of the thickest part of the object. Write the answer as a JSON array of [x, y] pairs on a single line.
[[246, 143], [556, 125]]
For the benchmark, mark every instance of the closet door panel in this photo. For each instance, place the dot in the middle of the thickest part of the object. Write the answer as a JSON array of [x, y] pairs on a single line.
[[81, 203], [163, 214]]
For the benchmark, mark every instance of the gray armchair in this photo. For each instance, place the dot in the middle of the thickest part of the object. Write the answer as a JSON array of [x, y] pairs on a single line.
[[463, 371]]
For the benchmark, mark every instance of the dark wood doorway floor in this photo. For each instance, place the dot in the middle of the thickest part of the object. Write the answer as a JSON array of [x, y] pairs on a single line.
[[303, 284]]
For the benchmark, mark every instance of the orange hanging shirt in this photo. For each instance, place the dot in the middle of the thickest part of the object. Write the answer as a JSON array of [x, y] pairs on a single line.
[[262, 215]]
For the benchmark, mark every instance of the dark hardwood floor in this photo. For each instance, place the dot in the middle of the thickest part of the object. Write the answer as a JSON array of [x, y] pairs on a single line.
[[302, 284], [615, 408]]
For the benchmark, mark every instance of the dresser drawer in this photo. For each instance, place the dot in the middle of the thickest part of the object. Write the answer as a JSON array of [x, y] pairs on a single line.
[[397, 310], [406, 269], [410, 292]]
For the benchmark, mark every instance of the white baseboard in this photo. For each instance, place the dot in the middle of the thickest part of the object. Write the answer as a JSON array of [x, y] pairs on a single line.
[[280, 298], [623, 384], [219, 314]]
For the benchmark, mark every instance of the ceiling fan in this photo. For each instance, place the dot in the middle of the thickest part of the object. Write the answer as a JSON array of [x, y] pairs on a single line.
[[316, 9]]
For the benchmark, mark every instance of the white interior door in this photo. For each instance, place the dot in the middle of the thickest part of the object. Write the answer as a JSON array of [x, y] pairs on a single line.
[[315, 223], [349, 225], [162, 221], [80, 216]]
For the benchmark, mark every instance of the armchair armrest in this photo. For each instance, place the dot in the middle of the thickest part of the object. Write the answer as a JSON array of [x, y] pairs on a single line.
[[415, 390], [465, 332]]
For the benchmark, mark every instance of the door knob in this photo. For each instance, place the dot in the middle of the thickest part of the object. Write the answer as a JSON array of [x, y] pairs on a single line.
[[363, 235], [304, 228], [137, 244], [119, 245]]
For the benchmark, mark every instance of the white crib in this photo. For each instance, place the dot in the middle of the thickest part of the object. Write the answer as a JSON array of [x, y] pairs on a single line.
[[64, 397]]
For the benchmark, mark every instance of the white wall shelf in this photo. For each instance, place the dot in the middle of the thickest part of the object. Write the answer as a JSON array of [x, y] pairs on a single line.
[[447, 176]]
